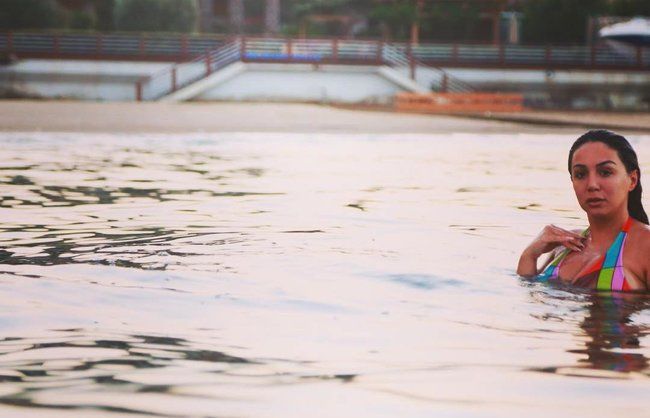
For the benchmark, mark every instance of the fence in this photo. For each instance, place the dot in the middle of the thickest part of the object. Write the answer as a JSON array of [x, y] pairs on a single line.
[[147, 47], [180, 75], [180, 47]]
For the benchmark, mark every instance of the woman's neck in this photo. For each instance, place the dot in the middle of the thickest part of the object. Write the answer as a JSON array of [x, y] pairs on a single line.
[[603, 230]]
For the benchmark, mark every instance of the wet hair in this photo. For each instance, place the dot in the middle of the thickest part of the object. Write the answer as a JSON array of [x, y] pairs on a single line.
[[627, 155]]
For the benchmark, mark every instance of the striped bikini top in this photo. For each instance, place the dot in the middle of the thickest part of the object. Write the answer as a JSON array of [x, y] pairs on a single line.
[[606, 273]]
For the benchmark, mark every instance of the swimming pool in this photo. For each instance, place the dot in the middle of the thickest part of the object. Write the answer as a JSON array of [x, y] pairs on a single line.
[[299, 275]]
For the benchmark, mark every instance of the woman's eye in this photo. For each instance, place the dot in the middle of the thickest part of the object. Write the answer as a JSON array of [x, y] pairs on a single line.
[[579, 175], [605, 173]]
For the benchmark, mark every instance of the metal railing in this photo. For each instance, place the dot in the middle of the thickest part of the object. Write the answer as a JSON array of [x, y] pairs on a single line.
[[401, 58], [170, 47], [181, 75], [183, 47]]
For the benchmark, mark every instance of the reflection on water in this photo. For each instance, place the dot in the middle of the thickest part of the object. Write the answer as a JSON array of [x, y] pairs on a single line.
[[280, 275], [612, 339], [609, 327]]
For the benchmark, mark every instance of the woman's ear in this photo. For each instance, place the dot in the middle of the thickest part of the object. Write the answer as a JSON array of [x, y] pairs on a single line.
[[634, 177]]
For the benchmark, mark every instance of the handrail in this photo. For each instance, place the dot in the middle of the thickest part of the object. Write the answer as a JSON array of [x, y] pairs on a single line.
[[446, 82], [177, 76], [184, 47], [402, 57]]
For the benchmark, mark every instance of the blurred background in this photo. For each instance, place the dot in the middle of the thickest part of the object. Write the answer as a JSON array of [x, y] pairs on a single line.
[[510, 21], [556, 54]]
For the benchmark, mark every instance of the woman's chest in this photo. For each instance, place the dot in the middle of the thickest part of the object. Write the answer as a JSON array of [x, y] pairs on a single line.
[[577, 264], [584, 269]]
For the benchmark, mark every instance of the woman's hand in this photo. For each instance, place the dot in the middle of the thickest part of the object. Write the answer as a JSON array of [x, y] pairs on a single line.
[[550, 238]]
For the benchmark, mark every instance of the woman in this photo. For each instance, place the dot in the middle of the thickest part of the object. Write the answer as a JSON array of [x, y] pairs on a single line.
[[614, 252]]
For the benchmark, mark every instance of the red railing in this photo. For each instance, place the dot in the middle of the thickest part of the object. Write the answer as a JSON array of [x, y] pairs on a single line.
[[410, 60], [181, 75], [182, 47], [280, 50]]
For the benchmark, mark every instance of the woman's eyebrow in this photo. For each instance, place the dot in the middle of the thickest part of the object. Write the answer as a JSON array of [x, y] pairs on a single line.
[[597, 165], [605, 162]]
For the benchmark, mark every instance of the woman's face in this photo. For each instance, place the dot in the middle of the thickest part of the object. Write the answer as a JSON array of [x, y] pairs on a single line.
[[600, 180]]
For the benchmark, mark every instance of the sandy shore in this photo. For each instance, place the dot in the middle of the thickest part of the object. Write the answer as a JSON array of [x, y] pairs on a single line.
[[64, 116]]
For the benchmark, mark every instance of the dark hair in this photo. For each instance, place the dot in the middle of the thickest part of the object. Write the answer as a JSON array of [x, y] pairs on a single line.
[[627, 155]]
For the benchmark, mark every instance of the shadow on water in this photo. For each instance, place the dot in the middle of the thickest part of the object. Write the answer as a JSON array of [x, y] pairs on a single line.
[[148, 248], [93, 234], [610, 337], [83, 195], [70, 362]]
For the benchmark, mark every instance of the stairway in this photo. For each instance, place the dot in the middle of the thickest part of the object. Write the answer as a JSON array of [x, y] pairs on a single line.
[[431, 78], [179, 77]]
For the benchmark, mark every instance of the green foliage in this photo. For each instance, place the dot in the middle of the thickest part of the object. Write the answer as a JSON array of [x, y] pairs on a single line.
[[305, 7], [396, 17], [29, 14], [559, 21], [80, 20], [630, 8], [104, 15], [156, 15], [452, 22]]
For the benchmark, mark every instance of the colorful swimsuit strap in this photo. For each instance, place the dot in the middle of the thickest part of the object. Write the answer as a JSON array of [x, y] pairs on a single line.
[[612, 276], [552, 271], [610, 266]]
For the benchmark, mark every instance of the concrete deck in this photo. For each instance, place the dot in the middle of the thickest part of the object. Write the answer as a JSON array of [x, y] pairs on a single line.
[[74, 116]]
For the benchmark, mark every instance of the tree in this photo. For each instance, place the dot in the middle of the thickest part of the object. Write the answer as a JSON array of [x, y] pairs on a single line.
[[453, 21], [630, 8], [395, 18], [28, 14], [78, 19], [105, 10], [156, 15], [559, 21]]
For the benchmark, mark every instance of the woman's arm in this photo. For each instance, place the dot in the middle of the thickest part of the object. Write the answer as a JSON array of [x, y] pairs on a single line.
[[549, 239]]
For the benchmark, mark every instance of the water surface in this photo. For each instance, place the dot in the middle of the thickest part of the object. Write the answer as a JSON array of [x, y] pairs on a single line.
[[299, 275]]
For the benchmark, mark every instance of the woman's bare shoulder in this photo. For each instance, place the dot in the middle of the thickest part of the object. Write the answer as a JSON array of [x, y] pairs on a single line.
[[639, 240], [642, 231]]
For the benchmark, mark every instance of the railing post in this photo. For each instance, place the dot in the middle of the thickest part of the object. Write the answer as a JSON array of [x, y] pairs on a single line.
[[289, 49], [335, 49], [174, 85], [502, 54], [142, 46], [444, 84], [639, 56], [184, 53], [380, 48], [411, 59], [138, 90], [454, 53], [57, 42], [208, 63], [10, 42], [242, 48], [99, 43], [592, 57], [547, 55]]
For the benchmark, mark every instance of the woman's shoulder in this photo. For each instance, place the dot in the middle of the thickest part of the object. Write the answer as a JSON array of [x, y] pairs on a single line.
[[637, 251], [640, 229], [639, 240]]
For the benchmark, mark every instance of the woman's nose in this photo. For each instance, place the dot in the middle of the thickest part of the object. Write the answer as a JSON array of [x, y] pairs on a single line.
[[592, 182]]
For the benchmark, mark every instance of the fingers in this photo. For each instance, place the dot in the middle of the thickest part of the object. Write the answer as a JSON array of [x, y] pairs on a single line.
[[566, 232], [560, 236], [574, 244]]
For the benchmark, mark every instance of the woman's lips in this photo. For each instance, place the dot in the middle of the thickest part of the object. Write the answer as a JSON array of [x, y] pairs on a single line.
[[595, 201]]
